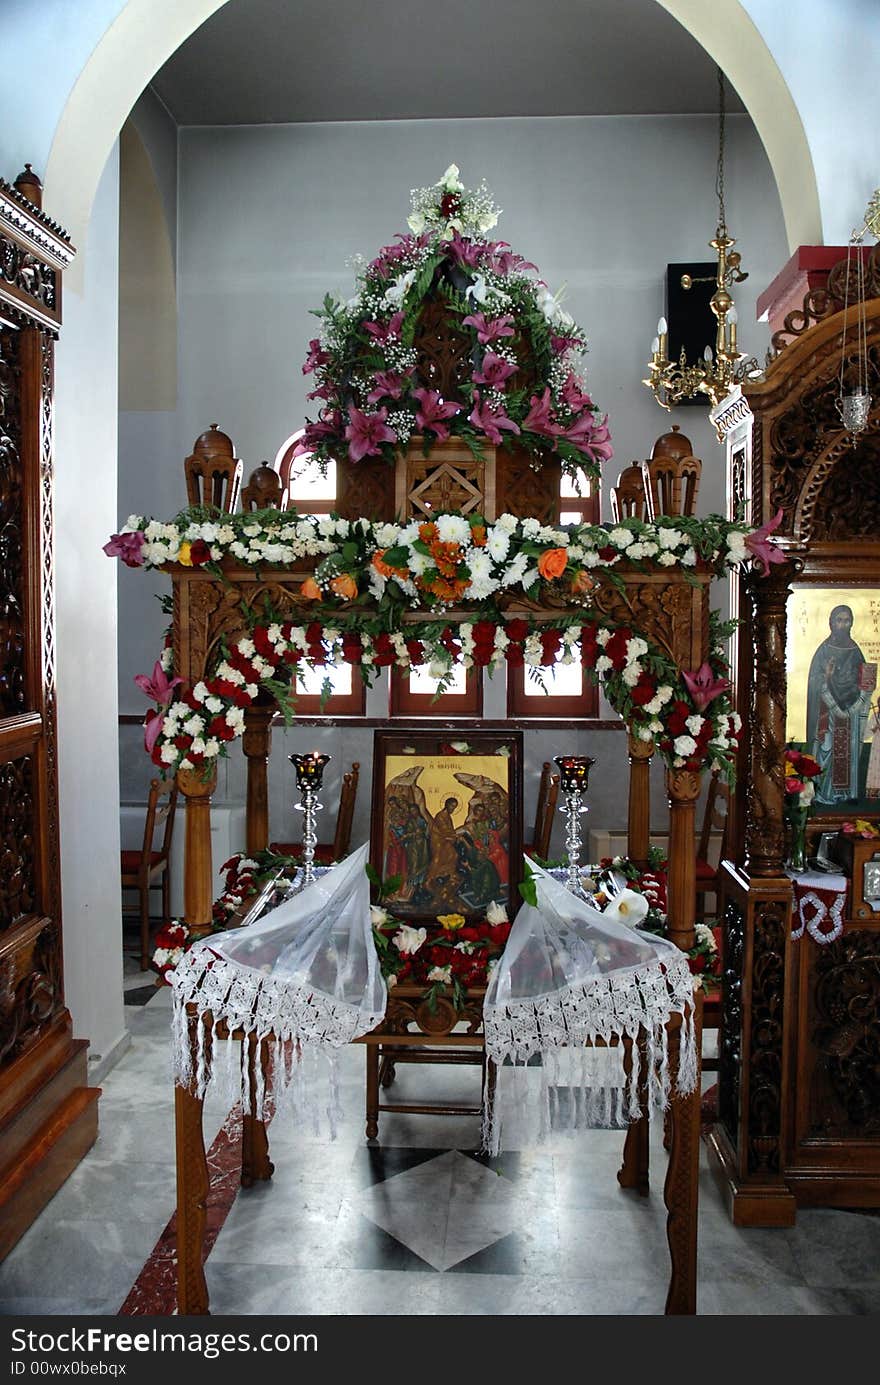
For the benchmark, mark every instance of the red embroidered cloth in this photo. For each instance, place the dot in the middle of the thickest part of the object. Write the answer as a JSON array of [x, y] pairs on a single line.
[[819, 905]]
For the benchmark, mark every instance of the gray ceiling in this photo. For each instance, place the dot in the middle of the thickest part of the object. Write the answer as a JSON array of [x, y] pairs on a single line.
[[279, 61]]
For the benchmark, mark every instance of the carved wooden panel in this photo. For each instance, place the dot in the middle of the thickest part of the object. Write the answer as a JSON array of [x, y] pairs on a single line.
[[13, 697], [730, 1028], [844, 1029], [431, 485], [18, 885], [526, 487], [444, 353], [23, 269], [365, 489], [30, 988], [766, 1021], [675, 617]]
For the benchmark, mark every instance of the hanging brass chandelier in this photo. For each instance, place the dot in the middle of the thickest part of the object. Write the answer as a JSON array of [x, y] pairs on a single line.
[[714, 376]]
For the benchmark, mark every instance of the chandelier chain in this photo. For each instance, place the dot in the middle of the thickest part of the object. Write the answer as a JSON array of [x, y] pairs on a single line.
[[719, 175]]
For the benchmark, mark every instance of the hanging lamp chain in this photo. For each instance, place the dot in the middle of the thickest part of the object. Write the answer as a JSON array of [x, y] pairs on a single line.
[[719, 175]]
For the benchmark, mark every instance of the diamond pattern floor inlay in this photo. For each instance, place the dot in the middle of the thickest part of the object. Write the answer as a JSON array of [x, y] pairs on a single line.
[[445, 1209]]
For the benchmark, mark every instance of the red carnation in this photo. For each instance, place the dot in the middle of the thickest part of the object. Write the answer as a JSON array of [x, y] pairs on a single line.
[[199, 552], [644, 690], [589, 646], [514, 655], [615, 649], [517, 630], [384, 652], [352, 651], [416, 651]]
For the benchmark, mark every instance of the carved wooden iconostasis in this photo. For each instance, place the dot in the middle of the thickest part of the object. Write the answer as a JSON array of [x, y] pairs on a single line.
[[800, 1038], [48, 1114]]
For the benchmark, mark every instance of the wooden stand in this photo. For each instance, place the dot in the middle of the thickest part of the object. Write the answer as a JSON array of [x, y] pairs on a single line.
[[680, 1188]]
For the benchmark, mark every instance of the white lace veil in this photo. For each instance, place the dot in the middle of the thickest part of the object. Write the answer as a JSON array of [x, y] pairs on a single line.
[[570, 979]]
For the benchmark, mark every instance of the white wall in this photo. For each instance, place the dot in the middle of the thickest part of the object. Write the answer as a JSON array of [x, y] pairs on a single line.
[[85, 511], [829, 54]]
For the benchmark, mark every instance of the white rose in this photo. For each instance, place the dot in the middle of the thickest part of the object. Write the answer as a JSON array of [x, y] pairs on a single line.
[[443, 974], [684, 745], [409, 940], [496, 913], [378, 915]]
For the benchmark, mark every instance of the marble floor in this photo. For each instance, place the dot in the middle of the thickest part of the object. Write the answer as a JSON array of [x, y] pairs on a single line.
[[418, 1220]]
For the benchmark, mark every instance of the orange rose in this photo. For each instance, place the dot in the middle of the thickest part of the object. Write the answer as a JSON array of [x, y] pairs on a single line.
[[552, 563], [345, 586], [310, 591], [379, 563], [582, 583]]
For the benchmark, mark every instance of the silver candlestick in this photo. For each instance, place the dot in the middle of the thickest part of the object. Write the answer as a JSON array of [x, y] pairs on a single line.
[[574, 773], [309, 774]]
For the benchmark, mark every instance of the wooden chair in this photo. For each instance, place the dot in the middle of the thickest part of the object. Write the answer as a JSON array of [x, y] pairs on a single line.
[[326, 852], [264, 490], [548, 793], [629, 498], [150, 868], [673, 476], [213, 472]]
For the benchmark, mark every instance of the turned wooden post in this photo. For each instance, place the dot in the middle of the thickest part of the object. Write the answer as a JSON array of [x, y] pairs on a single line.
[[639, 822], [257, 744], [197, 785], [765, 832], [684, 789]]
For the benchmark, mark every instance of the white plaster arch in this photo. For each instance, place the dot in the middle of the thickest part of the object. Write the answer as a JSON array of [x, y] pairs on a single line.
[[145, 33], [140, 40], [729, 35]]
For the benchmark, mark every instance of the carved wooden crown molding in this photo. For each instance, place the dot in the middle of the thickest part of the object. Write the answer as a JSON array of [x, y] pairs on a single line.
[[33, 227], [821, 303]]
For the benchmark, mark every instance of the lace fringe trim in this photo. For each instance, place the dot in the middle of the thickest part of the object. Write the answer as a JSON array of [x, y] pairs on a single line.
[[308, 1029], [564, 1028]]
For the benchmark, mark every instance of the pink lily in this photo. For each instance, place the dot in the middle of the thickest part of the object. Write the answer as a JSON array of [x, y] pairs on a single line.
[[468, 253], [128, 547], [593, 439], [316, 357], [384, 331], [328, 426], [366, 432], [573, 396], [539, 418], [433, 412], [504, 260], [322, 392], [152, 730], [490, 421], [388, 385], [704, 687], [761, 546], [560, 344], [157, 686], [491, 330], [495, 371]]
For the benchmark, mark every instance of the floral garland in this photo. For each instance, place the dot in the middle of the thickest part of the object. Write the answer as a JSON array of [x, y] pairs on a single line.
[[523, 347], [688, 715], [371, 574]]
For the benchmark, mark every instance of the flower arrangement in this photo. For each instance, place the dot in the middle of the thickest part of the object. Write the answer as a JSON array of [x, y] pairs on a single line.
[[799, 770], [523, 349], [453, 954], [171, 943], [641, 903]]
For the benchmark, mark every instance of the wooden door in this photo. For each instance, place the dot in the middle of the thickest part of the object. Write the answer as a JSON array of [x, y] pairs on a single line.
[[48, 1114]]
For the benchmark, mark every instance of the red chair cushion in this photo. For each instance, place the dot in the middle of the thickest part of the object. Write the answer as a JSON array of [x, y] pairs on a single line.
[[131, 861], [704, 870]]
